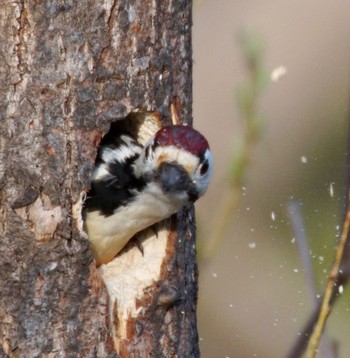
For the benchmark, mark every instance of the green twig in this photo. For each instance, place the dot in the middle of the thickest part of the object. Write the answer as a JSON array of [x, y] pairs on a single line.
[[247, 101]]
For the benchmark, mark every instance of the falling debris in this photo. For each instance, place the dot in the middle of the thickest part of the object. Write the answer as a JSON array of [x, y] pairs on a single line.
[[331, 190], [273, 216], [303, 159], [341, 289], [252, 245], [278, 73]]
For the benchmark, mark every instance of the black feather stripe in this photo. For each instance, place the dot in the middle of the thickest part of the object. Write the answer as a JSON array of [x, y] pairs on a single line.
[[120, 186], [118, 190]]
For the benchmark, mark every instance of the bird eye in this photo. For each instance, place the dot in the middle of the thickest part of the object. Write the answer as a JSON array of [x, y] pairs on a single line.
[[204, 167]]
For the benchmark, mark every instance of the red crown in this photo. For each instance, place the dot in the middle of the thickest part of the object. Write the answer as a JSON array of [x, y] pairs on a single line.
[[182, 137]]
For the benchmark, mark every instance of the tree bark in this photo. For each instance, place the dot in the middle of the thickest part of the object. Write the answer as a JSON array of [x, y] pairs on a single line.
[[68, 69]]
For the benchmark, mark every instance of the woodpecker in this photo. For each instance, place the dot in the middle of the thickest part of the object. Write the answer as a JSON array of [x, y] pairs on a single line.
[[133, 187]]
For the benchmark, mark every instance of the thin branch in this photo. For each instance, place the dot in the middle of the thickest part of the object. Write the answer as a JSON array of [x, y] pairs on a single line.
[[300, 344], [294, 211], [329, 291], [295, 214]]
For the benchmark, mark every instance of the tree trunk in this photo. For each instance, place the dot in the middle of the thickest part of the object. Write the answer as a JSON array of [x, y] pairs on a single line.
[[68, 69]]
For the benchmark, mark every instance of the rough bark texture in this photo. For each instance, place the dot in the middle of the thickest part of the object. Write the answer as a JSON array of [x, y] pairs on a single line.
[[67, 70]]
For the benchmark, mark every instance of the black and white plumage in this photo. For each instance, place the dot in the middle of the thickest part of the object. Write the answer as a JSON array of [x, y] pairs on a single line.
[[134, 187]]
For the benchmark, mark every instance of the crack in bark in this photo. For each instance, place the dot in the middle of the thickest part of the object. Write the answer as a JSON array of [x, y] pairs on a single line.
[[110, 24], [111, 19], [22, 21]]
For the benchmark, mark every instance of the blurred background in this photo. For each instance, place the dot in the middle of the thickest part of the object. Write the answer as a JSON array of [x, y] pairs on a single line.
[[253, 299]]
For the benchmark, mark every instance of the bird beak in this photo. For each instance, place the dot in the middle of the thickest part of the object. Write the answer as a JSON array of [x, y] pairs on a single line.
[[173, 178]]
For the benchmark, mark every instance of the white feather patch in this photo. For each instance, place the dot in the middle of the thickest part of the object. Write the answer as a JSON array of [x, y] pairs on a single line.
[[109, 235], [121, 154], [101, 173]]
